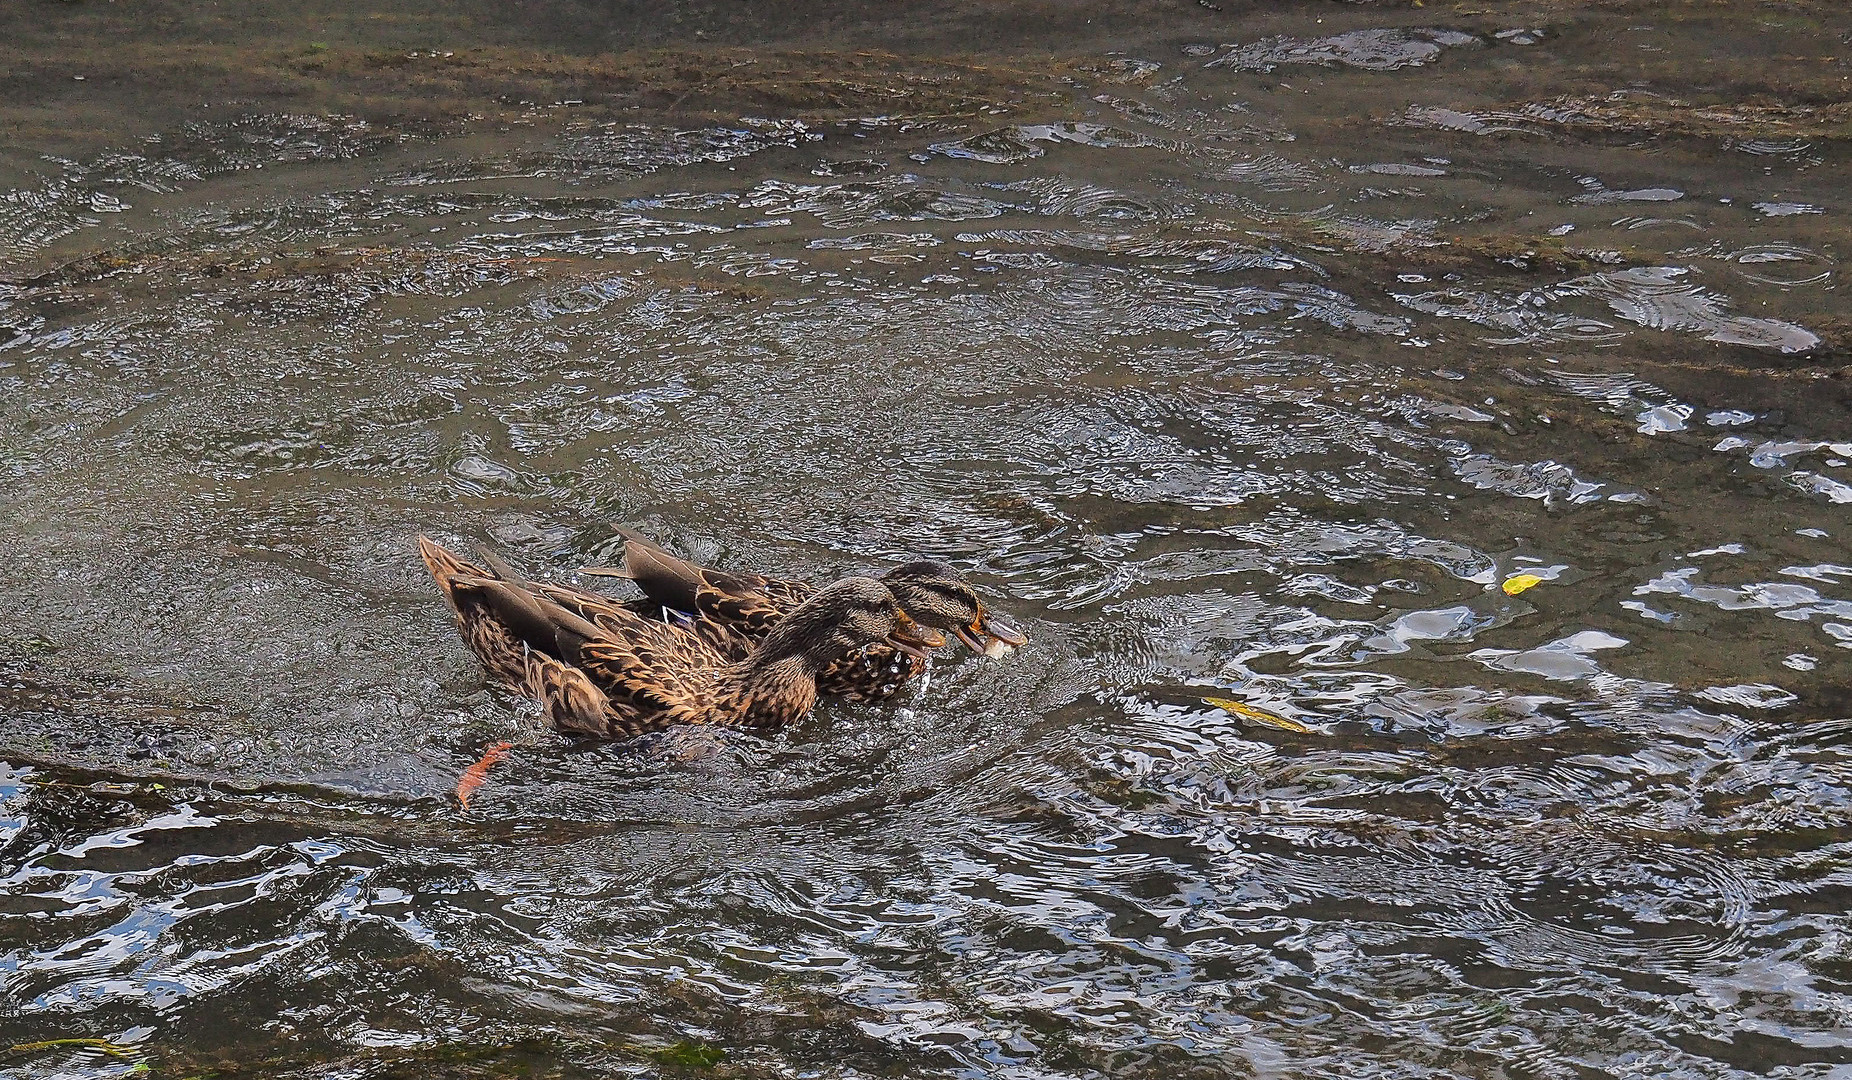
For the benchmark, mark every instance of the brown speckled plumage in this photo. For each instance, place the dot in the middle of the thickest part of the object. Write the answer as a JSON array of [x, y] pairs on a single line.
[[600, 669], [734, 611]]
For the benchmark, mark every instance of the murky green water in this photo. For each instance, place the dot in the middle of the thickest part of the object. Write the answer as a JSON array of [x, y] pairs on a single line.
[[1247, 359]]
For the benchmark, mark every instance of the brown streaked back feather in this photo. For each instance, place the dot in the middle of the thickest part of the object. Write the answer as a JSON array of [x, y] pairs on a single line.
[[667, 682], [750, 615], [570, 702], [535, 621], [602, 611]]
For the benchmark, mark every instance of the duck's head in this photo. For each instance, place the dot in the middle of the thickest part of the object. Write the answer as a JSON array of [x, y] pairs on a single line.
[[936, 596], [844, 618]]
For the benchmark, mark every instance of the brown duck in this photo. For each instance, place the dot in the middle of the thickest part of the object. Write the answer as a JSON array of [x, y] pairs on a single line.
[[602, 670], [734, 613]]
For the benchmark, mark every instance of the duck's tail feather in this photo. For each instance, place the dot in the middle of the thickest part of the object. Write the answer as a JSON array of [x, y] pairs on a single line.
[[665, 579], [447, 567]]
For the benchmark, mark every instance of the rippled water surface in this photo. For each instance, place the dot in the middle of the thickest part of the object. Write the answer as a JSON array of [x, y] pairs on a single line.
[[1455, 395]]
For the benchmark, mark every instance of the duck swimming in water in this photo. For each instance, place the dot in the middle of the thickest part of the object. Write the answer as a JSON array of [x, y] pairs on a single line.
[[735, 612], [600, 669]]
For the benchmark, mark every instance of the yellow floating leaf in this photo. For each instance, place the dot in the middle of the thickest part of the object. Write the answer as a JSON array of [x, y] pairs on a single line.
[[115, 1050], [1515, 585], [1249, 712]]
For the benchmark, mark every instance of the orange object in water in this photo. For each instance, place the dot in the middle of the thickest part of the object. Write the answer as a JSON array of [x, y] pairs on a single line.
[[473, 776]]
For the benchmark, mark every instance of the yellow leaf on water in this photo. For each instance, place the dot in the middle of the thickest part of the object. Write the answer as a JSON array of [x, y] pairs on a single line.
[[115, 1050], [1249, 712], [1515, 585]]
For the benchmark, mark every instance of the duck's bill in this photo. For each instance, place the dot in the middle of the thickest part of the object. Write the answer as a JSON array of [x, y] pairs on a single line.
[[991, 635], [913, 639]]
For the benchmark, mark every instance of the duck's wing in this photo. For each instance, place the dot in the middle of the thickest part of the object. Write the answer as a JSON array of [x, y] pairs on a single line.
[[597, 666], [618, 617], [571, 703], [649, 673], [601, 610], [574, 704], [743, 603]]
